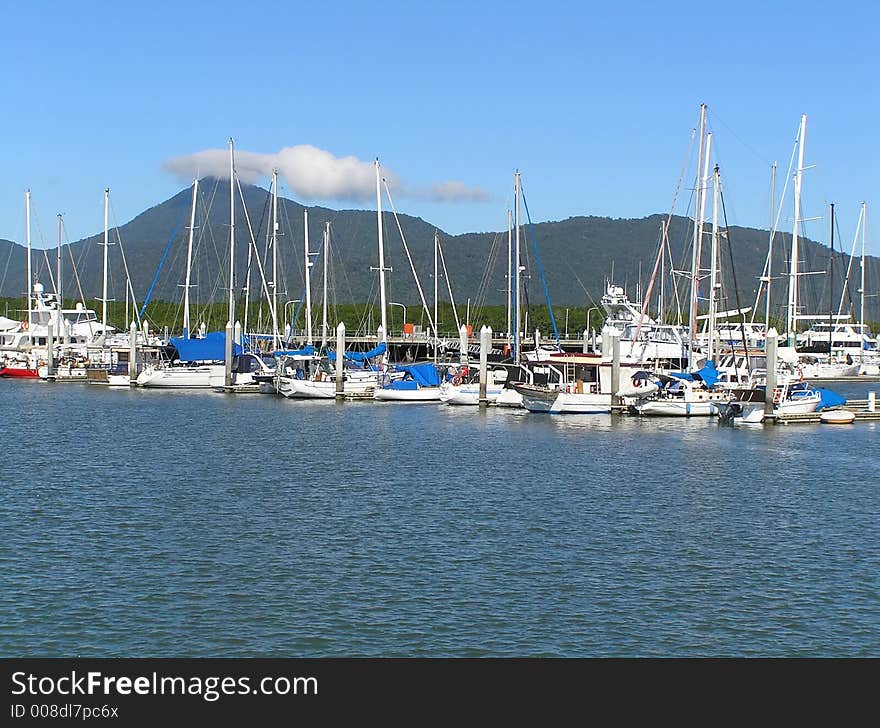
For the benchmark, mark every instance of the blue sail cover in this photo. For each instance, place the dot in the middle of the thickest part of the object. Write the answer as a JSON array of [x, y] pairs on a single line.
[[829, 399], [425, 375], [708, 375], [305, 351], [361, 356], [210, 348]]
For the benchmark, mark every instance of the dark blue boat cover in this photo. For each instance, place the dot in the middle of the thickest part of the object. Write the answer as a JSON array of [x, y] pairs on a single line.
[[210, 348]]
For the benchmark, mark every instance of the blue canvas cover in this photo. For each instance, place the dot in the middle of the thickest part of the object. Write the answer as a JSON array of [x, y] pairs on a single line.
[[212, 347], [305, 351], [708, 375], [425, 375], [361, 356], [403, 384], [829, 399]]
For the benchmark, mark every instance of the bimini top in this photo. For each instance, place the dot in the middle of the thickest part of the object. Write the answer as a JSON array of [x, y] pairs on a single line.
[[211, 347]]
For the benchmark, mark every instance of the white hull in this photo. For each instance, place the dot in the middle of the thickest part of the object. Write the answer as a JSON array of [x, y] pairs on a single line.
[[830, 371], [64, 373], [201, 377], [356, 384], [468, 394], [677, 408], [422, 394], [509, 398], [565, 403]]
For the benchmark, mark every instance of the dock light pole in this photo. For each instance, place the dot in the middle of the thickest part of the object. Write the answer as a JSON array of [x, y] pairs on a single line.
[[587, 322], [393, 303]]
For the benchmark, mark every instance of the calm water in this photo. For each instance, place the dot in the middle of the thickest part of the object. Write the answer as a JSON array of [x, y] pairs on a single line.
[[138, 523]]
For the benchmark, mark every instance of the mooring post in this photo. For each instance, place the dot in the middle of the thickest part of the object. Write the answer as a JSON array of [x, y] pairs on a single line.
[[463, 343], [872, 401], [50, 349], [229, 332], [770, 349], [485, 345], [340, 360], [606, 342], [238, 333], [132, 353], [615, 367], [146, 328]]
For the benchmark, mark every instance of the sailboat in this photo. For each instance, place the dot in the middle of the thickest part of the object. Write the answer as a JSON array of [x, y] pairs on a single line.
[[198, 362]]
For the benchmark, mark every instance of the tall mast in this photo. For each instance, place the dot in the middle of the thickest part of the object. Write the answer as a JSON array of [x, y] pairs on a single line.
[[831, 288], [276, 339], [308, 278], [698, 238], [231, 317], [324, 326], [189, 247], [106, 247], [862, 282], [791, 323], [382, 301], [437, 297], [58, 272], [713, 275], [30, 283], [516, 276], [772, 235], [660, 302], [509, 266]]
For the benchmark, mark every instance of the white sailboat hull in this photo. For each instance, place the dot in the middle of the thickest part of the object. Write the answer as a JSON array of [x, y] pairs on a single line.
[[200, 377], [677, 408], [468, 394], [422, 394]]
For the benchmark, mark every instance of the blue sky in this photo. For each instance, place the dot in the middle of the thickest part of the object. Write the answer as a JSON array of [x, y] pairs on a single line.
[[594, 102]]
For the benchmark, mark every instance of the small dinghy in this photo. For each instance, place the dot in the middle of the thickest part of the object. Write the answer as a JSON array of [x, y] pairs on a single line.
[[837, 417]]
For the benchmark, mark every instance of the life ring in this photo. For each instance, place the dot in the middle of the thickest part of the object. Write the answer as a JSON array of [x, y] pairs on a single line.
[[456, 380], [777, 395]]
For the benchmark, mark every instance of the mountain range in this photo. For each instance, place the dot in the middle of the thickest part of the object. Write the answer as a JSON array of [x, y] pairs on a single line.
[[578, 256]]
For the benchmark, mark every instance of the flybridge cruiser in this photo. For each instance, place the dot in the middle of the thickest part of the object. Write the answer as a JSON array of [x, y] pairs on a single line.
[[850, 343], [76, 326], [642, 339]]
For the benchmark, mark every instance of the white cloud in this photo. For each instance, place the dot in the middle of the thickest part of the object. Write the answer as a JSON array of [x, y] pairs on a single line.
[[313, 174], [455, 191]]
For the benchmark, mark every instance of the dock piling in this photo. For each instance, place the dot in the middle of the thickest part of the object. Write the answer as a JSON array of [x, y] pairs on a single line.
[[50, 349], [485, 345], [228, 352], [132, 353], [340, 360], [770, 350]]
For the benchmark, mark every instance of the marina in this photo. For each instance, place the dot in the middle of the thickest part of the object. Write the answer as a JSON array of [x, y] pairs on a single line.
[[481, 332]]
